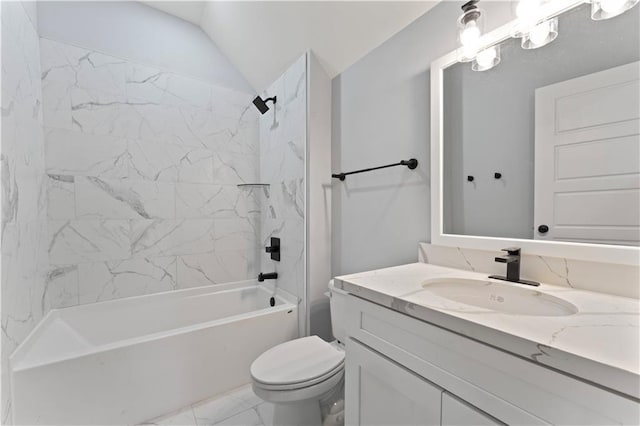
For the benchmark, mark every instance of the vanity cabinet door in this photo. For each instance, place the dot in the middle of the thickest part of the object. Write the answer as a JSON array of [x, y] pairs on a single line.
[[458, 413], [380, 392]]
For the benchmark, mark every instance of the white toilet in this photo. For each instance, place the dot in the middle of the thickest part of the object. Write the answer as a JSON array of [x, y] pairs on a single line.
[[298, 374]]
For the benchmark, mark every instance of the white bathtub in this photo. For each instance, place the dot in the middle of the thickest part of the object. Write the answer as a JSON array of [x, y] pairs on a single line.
[[129, 360]]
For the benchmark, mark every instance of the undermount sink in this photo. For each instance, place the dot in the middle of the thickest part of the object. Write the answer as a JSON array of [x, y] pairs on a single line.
[[508, 298]]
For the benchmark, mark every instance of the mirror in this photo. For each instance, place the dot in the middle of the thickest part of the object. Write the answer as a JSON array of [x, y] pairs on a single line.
[[545, 145]]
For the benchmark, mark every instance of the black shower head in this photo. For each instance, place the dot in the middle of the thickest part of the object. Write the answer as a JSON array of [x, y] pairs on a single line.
[[262, 104]]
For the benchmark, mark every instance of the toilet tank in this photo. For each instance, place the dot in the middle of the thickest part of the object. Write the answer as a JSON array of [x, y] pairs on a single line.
[[338, 305]]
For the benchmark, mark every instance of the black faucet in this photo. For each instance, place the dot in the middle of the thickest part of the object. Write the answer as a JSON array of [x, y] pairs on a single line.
[[267, 276], [512, 259]]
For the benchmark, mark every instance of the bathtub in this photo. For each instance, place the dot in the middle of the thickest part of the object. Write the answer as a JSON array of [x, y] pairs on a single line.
[[129, 360]]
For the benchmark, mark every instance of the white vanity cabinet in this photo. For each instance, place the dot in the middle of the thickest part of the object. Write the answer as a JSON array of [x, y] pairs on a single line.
[[404, 371], [387, 394], [458, 413]]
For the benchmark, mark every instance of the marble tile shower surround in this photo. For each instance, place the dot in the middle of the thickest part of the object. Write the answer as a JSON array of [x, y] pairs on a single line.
[[283, 137], [618, 280], [142, 166], [24, 218]]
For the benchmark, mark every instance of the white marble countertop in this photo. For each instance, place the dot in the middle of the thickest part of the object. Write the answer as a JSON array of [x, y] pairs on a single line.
[[599, 344]]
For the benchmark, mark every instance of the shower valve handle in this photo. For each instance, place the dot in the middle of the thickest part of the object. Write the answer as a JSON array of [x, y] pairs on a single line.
[[274, 249]]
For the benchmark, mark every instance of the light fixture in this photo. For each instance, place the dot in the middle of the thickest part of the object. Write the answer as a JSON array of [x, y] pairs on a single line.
[[541, 34], [528, 13], [486, 59], [605, 9], [470, 25]]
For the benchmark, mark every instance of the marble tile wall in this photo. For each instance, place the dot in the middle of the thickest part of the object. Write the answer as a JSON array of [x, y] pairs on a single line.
[[142, 166], [283, 138], [24, 217], [618, 280]]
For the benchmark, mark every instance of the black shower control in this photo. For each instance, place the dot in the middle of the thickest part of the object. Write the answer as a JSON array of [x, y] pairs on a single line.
[[274, 249]]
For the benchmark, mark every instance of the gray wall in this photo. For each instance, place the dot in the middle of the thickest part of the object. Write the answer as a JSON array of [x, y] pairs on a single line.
[[489, 119], [381, 115], [140, 33]]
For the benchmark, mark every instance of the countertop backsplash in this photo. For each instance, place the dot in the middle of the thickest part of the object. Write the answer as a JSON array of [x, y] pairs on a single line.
[[614, 279]]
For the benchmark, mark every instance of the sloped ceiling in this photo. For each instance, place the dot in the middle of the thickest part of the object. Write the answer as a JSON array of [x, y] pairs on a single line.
[[188, 10], [262, 38]]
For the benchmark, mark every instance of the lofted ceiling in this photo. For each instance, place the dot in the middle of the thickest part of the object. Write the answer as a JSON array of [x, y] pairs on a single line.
[[262, 38]]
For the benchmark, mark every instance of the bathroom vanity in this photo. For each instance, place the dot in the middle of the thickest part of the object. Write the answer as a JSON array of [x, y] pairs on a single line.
[[485, 352], [524, 157]]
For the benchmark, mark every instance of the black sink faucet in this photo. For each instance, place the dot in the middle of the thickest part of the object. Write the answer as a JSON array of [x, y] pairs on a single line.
[[267, 276], [512, 259]]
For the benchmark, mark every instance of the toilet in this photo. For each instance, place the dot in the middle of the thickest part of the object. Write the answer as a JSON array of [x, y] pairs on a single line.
[[297, 375]]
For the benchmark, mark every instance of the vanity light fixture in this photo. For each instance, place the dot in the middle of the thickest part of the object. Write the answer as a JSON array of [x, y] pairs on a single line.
[[486, 59], [605, 9], [541, 34], [470, 24], [528, 13]]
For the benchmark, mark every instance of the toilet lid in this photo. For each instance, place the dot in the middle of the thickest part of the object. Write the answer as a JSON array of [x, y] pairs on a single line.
[[296, 361]]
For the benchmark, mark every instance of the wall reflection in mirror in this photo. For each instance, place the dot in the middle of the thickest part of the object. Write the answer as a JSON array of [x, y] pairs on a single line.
[[546, 144]]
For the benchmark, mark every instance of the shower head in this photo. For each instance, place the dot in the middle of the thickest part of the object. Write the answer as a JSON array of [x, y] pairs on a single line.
[[262, 104]]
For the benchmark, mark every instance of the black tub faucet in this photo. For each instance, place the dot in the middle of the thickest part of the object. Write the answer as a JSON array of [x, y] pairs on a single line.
[[267, 276], [512, 259]]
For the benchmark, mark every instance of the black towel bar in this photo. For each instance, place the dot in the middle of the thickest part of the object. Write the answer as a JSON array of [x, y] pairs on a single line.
[[411, 164]]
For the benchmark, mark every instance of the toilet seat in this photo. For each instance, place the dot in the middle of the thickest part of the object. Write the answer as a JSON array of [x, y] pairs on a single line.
[[297, 364], [299, 385], [302, 393]]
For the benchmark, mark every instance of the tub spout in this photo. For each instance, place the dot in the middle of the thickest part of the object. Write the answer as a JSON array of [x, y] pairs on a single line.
[[268, 276]]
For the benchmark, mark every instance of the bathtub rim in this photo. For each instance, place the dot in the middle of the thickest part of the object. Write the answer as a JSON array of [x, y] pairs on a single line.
[[27, 343]]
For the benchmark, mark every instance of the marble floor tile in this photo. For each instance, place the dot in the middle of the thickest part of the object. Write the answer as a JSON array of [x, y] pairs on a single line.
[[228, 407], [183, 417], [237, 407], [246, 418], [265, 411]]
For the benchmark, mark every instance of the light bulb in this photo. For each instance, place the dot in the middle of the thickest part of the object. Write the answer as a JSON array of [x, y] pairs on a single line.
[[613, 6], [470, 51], [539, 33], [470, 35], [470, 25], [528, 12], [486, 59]]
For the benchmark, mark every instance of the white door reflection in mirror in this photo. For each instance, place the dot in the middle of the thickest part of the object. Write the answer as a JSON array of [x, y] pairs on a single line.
[[587, 158]]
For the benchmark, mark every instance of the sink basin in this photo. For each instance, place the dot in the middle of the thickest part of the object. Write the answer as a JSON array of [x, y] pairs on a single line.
[[508, 298]]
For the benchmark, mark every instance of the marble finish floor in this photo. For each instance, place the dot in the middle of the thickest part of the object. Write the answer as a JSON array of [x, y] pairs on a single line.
[[239, 407]]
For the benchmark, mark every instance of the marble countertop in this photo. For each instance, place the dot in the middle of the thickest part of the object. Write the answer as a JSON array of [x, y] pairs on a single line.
[[599, 344]]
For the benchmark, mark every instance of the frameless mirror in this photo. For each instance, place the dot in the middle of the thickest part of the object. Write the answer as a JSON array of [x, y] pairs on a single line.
[[546, 145]]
